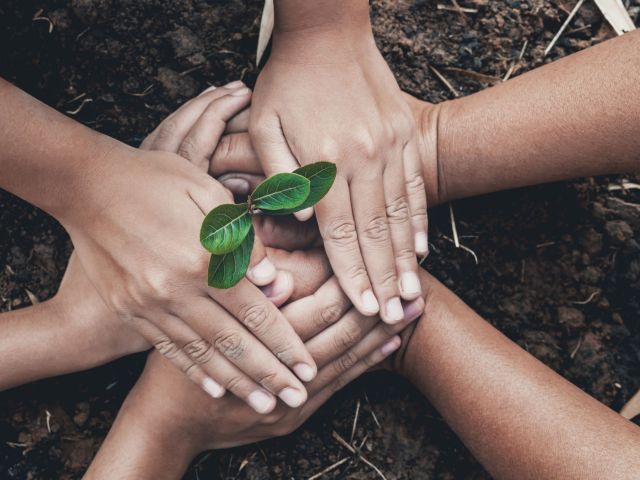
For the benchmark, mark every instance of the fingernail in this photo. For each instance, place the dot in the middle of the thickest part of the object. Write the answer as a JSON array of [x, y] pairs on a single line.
[[292, 397], [263, 273], [305, 214], [369, 302], [239, 186], [304, 372], [240, 92], [212, 387], [395, 313], [390, 346], [409, 283], [413, 310], [261, 401], [234, 84], [421, 243], [210, 89]]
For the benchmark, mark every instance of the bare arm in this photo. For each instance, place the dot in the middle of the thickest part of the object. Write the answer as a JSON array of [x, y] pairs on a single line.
[[576, 117], [519, 418]]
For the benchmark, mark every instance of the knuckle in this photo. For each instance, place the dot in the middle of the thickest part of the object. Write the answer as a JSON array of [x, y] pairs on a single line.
[[329, 150], [338, 384], [398, 210], [188, 149], [267, 379], [356, 271], [199, 351], [348, 336], [167, 130], [160, 285], [388, 279], [345, 362], [166, 347], [230, 344], [377, 230], [226, 145], [257, 317], [341, 231], [328, 316], [405, 254], [419, 213], [233, 383], [364, 145], [415, 184]]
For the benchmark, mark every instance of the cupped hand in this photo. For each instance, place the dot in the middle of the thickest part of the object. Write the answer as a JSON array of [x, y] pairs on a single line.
[[138, 240], [313, 103]]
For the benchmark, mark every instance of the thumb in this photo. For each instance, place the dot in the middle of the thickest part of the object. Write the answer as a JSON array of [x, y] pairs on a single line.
[[235, 153], [274, 154], [261, 270]]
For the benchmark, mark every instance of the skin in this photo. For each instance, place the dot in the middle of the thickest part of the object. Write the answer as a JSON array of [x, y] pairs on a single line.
[[113, 199], [373, 221], [564, 433]]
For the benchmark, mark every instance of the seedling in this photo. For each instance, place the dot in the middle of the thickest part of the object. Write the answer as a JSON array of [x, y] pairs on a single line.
[[227, 230]]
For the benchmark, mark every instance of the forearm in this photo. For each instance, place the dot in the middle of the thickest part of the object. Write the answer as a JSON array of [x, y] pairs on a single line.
[[576, 117], [44, 341], [518, 417], [136, 448], [45, 157], [320, 31]]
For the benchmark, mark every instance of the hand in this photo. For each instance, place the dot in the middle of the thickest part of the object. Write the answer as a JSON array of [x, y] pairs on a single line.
[[344, 346], [314, 102], [138, 242]]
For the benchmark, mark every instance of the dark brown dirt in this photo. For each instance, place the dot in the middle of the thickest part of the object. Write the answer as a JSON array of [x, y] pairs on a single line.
[[541, 250]]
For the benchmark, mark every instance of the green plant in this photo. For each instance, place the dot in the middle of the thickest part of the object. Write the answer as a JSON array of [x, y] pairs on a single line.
[[227, 230]]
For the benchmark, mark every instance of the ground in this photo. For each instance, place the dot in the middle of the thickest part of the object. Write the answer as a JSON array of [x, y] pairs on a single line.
[[558, 265]]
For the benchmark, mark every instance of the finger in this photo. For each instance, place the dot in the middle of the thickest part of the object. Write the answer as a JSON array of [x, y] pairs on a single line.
[[369, 211], [239, 123], [308, 270], [286, 233], [178, 358], [280, 290], [312, 314], [235, 153], [341, 244], [200, 142], [417, 196], [247, 304], [227, 338], [358, 335], [357, 369], [261, 270], [241, 184], [402, 239], [273, 151], [169, 134]]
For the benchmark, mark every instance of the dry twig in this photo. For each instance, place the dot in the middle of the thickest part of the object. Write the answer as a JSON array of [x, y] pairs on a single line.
[[563, 27]]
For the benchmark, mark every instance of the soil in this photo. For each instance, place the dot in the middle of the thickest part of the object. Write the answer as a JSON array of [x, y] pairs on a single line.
[[558, 265]]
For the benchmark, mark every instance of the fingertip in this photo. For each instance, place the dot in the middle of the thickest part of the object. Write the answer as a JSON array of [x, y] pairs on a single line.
[[410, 288], [304, 215], [213, 388], [370, 305], [281, 289], [393, 311], [304, 372], [391, 346], [421, 243], [263, 273]]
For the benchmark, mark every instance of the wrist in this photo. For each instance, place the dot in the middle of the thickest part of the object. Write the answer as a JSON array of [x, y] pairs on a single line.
[[321, 32], [428, 120]]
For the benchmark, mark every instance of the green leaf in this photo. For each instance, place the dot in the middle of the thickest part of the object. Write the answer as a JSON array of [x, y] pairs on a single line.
[[283, 190], [227, 270], [321, 176], [224, 228]]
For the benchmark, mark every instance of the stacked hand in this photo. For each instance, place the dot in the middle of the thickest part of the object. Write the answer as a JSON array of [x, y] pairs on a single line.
[[138, 243]]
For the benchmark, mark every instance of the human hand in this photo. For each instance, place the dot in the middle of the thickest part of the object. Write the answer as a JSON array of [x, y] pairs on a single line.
[[344, 345], [313, 102], [138, 242]]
